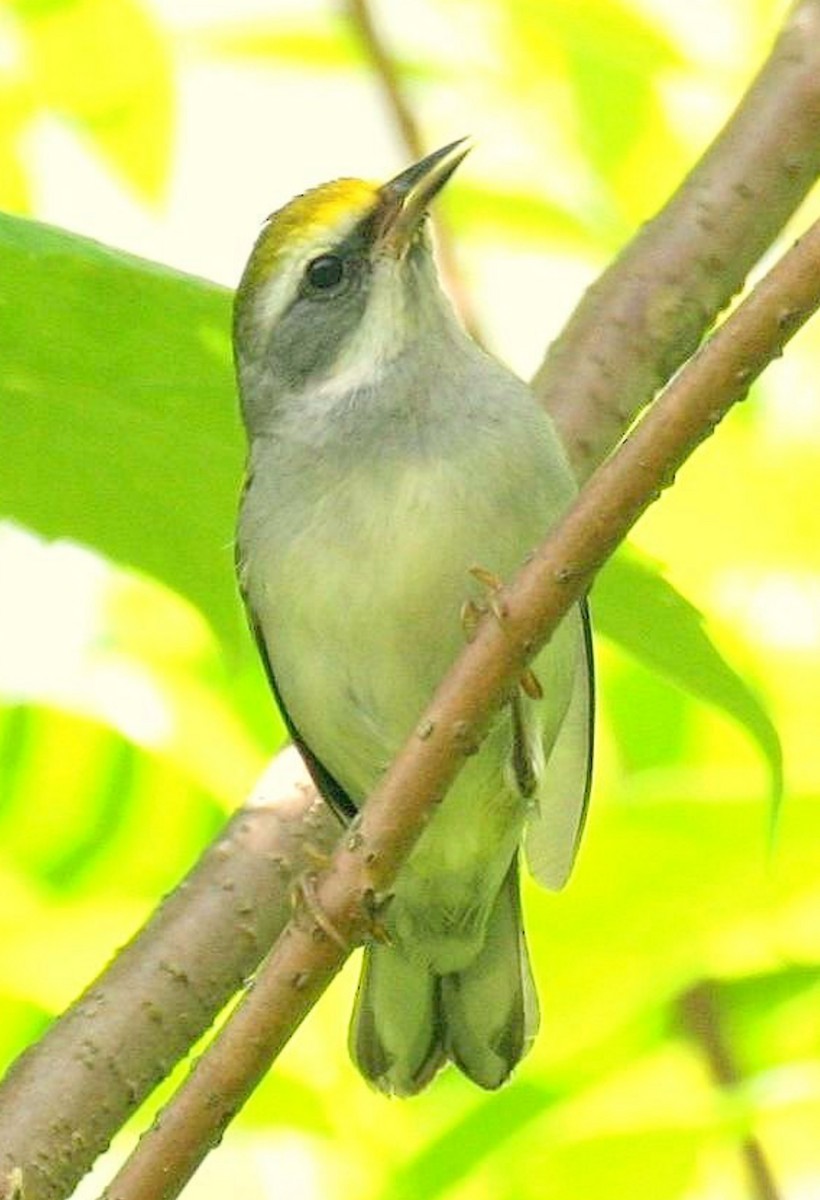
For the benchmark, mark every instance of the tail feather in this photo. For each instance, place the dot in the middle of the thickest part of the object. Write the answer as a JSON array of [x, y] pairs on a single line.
[[407, 1020], [395, 1031], [490, 1009]]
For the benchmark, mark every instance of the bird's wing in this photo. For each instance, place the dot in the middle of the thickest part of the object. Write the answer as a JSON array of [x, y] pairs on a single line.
[[555, 827], [331, 790]]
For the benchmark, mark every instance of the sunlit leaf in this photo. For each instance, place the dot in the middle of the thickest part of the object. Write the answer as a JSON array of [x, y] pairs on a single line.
[[613, 105], [665, 892], [771, 1018], [125, 653], [606, 30], [613, 55], [15, 193], [31, 9], [326, 44], [104, 65], [645, 615], [651, 721], [94, 790], [447, 1159], [31, 926], [602, 1167], [83, 777], [610, 54]]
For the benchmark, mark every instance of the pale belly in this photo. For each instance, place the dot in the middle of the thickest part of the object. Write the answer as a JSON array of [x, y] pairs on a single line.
[[361, 611], [361, 616]]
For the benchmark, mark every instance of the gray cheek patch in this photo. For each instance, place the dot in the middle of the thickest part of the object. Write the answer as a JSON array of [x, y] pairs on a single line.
[[312, 335]]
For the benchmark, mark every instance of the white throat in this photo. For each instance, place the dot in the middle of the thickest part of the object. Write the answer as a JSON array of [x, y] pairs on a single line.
[[377, 342]]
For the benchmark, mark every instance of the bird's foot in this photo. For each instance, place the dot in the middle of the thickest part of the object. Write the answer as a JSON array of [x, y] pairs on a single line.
[[472, 612], [523, 760], [531, 684], [493, 587], [318, 857], [375, 907], [304, 896]]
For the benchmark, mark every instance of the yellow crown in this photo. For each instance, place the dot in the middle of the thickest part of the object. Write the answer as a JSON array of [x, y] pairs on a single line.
[[331, 209]]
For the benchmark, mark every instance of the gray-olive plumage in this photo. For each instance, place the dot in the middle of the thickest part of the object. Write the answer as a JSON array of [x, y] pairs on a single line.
[[388, 455]]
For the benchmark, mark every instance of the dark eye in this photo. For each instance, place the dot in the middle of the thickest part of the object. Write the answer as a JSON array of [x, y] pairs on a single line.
[[325, 272]]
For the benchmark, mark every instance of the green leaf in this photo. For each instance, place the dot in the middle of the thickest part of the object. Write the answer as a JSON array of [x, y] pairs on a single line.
[[31, 9], [75, 793], [117, 411], [614, 103], [609, 56], [666, 891], [613, 55], [602, 30], [618, 1165], [651, 721], [770, 1017], [458, 1151], [326, 44], [644, 614]]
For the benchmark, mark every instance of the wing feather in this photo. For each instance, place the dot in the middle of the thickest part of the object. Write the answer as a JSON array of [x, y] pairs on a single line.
[[332, 791], [555, 827]]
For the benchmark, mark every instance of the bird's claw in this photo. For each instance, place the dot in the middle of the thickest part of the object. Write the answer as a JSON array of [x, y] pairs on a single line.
[[531, 684], [304, 895], [493, 586], [319, 858], [471, 614], [375, 907], [472, 611]]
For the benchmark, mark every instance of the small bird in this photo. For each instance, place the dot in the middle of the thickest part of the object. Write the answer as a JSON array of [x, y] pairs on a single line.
[[395, 472]]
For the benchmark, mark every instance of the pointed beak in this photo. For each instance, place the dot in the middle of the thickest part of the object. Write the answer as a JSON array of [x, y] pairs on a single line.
[[405, 199]]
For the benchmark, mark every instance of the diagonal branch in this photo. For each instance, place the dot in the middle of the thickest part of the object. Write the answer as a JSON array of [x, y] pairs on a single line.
[[305, 959], [646, 314]]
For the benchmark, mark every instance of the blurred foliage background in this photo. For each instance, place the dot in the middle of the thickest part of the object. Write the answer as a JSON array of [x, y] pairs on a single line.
[[133, 715]]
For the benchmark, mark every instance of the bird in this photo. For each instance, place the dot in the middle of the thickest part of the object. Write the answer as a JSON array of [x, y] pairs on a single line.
[[396, 470]]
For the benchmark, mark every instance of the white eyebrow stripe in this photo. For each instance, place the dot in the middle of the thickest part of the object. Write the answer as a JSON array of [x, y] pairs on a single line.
[[280, 289], [278, 292]]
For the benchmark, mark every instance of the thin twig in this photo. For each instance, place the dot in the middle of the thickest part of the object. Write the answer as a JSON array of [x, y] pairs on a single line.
[[384, 66], [362, 869], [701, 1017]]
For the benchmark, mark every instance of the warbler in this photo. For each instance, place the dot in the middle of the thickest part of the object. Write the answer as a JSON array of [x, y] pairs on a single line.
[[395, 470]]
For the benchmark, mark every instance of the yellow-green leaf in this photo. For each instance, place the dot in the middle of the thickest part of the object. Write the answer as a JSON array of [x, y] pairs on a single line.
[[105, 66]]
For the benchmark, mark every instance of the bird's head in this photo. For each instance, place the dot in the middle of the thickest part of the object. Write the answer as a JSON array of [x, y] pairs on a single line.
[[341, 280]]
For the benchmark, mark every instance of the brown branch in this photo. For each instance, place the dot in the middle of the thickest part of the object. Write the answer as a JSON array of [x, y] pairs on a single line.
[[306, 958], [646, 314], [398, 105], [61, 1102], [700, 1015]]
